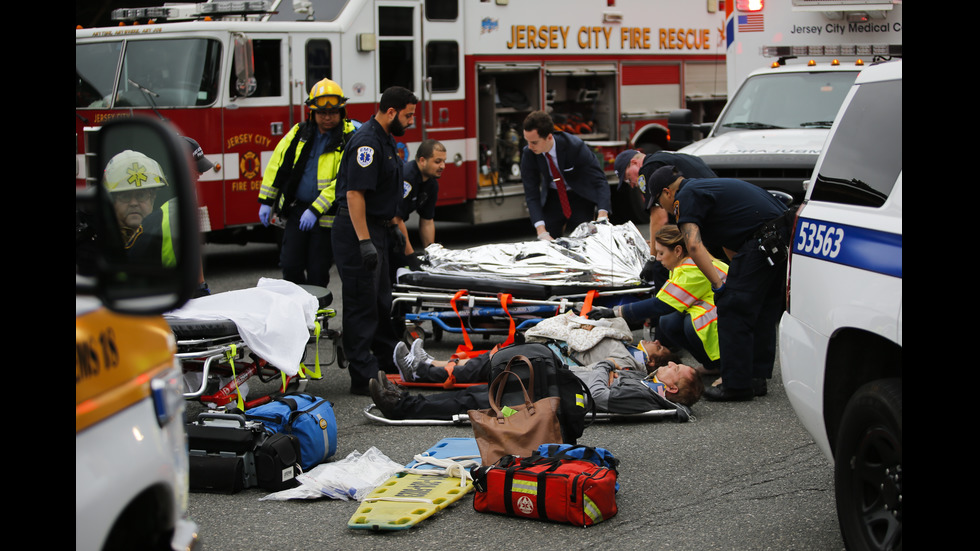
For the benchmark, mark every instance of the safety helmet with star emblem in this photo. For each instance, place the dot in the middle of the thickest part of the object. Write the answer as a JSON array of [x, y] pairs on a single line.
[[326, 94], [132, 170]]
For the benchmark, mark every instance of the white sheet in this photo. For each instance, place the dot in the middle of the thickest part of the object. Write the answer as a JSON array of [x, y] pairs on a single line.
[[274, 319]]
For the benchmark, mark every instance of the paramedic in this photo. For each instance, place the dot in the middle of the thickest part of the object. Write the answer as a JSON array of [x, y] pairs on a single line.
[[563, 183], [133, 180], [300, 182], [616, 385], [156, 240], [684, 308], [736, 216], [635, 168], [368, 192], [420, 189]]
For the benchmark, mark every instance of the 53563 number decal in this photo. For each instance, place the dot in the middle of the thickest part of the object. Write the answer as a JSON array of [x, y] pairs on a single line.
[[819, 239]]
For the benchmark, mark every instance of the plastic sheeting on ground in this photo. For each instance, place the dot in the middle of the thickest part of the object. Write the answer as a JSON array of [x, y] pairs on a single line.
[[353, 477], [595, 254]]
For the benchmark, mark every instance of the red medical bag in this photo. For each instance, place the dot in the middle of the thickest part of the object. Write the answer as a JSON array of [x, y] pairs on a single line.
[[547, 488]]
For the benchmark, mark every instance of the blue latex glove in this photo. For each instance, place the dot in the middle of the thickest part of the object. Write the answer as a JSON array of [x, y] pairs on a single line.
[[265, 212], [308, 220]]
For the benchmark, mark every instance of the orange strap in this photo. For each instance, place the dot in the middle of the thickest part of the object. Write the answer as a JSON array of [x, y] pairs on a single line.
[[505, 299], [589, 297], [450, 378], [462, 326]]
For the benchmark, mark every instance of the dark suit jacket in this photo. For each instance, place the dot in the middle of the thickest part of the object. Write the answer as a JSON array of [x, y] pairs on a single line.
[[579, 168]]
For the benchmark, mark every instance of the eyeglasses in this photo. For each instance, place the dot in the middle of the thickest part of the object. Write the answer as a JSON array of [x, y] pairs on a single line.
[[141, 195]]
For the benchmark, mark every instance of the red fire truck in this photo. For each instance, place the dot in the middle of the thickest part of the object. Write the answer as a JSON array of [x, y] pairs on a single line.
[[234, 75]]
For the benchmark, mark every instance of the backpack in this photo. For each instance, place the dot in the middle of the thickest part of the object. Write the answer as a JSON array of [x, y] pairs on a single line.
[[551, 378]]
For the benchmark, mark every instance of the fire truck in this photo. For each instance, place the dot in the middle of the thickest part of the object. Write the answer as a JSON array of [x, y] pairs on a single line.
[[234, 76]]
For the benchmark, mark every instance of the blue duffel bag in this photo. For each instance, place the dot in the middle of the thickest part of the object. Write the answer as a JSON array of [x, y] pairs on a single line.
[[309, 419]]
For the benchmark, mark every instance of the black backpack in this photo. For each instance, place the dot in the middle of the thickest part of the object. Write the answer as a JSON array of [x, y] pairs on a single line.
[[551, 378]]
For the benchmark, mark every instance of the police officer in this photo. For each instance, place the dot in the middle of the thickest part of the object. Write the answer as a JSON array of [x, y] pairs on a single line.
[[635, 168], [563, 184], [419, 194], [300, 183], [369, 186], [738, 217]]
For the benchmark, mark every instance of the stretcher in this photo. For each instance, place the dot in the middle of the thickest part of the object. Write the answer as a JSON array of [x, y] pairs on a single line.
[[218, 356], [499, 289], [679, 413], [436, 479]]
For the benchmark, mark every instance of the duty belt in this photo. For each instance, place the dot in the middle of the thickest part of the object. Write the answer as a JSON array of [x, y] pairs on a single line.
[[342, 211], [773, 237]]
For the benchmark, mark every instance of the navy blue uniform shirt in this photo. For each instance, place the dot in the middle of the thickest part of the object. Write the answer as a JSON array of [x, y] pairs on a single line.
[[726, 210], [418, 196], [371, 164]]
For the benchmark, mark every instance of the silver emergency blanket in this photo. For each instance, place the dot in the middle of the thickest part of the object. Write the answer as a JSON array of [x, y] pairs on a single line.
[[594, 255]]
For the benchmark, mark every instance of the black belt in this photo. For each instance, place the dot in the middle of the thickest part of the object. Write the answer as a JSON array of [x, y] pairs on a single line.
[[342, 211]]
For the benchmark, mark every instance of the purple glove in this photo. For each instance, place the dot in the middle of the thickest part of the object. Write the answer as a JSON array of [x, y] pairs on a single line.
[[308, 220], [265, 212]]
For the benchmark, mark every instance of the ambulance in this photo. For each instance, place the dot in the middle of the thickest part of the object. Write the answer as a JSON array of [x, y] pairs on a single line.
[[790, 65], [234, 76], [131, 461]]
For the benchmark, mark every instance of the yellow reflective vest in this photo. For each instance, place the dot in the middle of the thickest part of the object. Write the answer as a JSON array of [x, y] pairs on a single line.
[[326, 179], [689, 291]]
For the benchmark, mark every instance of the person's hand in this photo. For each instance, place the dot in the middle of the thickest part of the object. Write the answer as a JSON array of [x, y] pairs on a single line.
[[397, 239], [265, 211], [545, 236], [603, 217], [599, 312], [414, 261], [369, 254], [649, 271], [308, 220]]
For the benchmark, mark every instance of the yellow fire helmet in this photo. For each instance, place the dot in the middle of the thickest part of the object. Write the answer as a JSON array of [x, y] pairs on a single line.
[[132, 170], [326, 94]]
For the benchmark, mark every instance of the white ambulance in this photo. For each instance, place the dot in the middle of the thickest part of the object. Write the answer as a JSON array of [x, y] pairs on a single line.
[[790, 65]]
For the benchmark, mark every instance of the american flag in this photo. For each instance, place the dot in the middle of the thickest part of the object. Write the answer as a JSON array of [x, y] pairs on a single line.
[[751, 23]]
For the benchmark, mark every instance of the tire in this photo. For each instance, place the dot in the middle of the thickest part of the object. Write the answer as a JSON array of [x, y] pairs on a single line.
[[868, 468]]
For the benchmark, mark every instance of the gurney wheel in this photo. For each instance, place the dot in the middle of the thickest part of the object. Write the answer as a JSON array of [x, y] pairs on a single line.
[[341, 357]]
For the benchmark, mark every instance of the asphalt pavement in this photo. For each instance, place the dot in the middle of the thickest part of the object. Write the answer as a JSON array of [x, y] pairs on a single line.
[[736, 476]]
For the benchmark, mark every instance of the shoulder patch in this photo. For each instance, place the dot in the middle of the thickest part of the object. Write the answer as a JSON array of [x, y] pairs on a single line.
[[365, 155], [406, 188], [641, 183]]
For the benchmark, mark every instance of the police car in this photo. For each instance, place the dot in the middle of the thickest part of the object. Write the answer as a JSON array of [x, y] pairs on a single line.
[[131, 461], [840, 340]]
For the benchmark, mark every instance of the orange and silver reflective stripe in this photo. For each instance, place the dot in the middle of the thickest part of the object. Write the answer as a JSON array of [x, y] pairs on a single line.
[[710, 315], [675, 290]]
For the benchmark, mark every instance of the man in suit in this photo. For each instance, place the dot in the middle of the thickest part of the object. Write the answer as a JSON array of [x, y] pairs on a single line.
[[563, 183]]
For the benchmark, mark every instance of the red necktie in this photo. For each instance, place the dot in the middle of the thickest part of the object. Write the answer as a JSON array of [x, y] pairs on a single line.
[[566, 209]]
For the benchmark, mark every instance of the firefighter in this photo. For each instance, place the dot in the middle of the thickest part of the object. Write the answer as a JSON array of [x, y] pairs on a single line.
[[302, 196], [419, 194], [369, 189], [563, 183]]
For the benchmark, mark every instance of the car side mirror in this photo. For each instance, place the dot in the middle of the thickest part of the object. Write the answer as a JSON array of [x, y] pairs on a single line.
[[137, 243]]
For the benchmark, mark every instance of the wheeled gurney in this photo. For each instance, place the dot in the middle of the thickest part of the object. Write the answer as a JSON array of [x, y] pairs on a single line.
[[221, 343], [501, 288]]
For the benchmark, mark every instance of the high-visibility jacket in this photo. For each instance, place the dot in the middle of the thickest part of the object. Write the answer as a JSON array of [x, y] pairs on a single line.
[[153, 241], [327, 166], [689, 291]]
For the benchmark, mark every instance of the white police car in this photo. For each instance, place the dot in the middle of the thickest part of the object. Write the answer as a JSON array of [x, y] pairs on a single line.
[[840, 340]]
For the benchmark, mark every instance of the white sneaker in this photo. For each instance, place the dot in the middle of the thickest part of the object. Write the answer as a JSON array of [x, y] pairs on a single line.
[[404, 361], [419, 356]]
